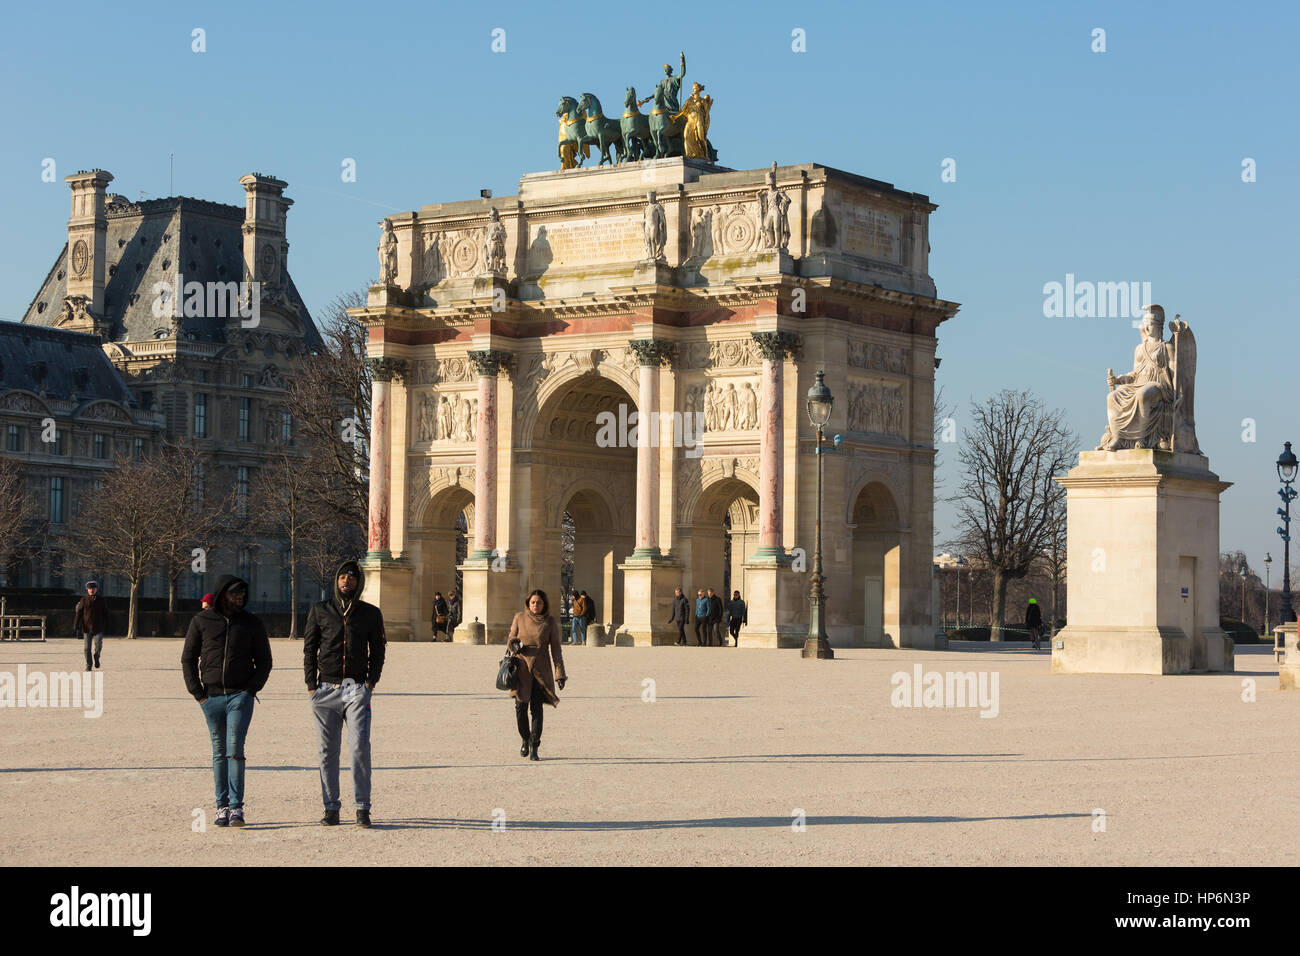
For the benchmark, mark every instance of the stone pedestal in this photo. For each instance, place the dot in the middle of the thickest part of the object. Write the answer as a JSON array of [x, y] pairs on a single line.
[[653, 272], [388, 586], [490, 596], [777, 602], [1288, 675], [1142, 576], [648, 600]]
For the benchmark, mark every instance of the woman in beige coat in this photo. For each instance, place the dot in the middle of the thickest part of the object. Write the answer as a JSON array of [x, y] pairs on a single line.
[[535, 640]]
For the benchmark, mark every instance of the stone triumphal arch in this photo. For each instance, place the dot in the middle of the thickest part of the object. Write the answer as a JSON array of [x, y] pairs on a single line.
[[517, 342]]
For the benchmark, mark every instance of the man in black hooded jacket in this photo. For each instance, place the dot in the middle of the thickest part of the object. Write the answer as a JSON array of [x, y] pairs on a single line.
[[343, 655], [226, 660]]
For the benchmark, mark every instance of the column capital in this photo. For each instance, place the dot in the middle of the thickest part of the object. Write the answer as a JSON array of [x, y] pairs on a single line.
[[386, 369], [654, 351], [776, 345], [489, 362]]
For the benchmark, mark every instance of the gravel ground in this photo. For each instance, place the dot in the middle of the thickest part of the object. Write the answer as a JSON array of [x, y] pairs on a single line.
[[716, 769]]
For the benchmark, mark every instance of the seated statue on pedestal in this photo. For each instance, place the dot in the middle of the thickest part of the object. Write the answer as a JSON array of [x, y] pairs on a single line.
[[1152, 407]]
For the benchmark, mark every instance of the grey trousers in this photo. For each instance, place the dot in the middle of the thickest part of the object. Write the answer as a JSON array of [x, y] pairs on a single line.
[[331, 712]]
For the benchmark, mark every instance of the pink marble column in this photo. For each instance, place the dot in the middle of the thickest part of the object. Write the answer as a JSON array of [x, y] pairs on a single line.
[[647, 461], [487, 363], [774, 346], [651, 355], [382, 371]]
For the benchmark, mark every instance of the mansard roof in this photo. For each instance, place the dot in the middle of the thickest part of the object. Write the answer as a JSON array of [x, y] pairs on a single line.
[[149, 242], [58, 365]]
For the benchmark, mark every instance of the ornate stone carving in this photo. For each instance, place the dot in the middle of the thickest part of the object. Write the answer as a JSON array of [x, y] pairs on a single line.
[[21, 402], [880, 358], [107, 412], [387, 254], [489, 362], [494, 245], [774, 222], [696, 474], [876, 407], [653, 351], [271, 377], [656, 227], [446, 417], [729, 406], [776, 345], [1153, 406], [455, 370], [529, 373], [735, 228], [386, 369]]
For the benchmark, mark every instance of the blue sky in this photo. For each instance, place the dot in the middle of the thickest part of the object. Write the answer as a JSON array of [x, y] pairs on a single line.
[[1115, 166]]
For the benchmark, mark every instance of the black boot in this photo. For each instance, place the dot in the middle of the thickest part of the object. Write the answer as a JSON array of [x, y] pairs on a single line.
[[532, 751], [523, 750], [363, 819], [331, 818]]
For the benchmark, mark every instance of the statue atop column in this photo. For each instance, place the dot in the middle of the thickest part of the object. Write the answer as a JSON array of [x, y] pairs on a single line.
[[1152, 406], [656, 227], [773, 221], [494, 244], [387, 254]]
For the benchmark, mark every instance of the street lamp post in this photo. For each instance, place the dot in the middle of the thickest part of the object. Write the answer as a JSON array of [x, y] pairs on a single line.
[[1268, 566], [1286, 470], [816, 646], [1243, 594]]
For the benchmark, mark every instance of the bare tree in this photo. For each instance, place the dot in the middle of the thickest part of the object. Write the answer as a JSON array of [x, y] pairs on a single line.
[[20, 511], [328, 395], [1007, 499], [202, 511], [126, 532], [1054, 555], [284, 504]]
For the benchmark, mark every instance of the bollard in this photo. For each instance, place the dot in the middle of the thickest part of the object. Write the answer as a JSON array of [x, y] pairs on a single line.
[[477, 633], [596, 635]]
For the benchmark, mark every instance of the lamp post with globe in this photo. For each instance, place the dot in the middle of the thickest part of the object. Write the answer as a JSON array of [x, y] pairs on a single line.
[[816, 646]]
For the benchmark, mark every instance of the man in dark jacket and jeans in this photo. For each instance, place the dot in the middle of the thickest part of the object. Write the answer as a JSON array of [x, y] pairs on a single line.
[[681, 616], [715, 617], [343, 655], [226, 660], [90, 620]]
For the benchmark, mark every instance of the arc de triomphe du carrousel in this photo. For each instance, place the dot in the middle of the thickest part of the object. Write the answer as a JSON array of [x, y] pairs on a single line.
[[512, 338]]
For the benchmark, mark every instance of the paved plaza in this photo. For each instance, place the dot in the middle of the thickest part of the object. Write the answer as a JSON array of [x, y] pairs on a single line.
[[715, 770]]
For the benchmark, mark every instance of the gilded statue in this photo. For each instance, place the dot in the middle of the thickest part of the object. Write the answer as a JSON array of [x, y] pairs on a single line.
[[695, 136]]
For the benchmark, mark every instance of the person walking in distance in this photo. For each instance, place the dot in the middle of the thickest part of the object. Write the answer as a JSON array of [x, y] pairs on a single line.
[[578, 618], [89, 620], [1034, 623], [226, 660], [454, 613], [681, 616], [702, 611], [343, 656], [715, 617], [737, 614], [590, 616], [535, 640], [439, 615]]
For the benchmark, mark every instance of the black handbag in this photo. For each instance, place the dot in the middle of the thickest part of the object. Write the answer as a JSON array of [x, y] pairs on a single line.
[[508, 673]]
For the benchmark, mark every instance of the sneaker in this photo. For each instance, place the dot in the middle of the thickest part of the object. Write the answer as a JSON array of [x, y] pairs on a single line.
[[363, 819], [331, 818], [237, 817], [222, 818]]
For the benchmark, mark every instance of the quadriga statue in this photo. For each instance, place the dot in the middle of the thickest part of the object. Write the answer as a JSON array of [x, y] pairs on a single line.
[[1152, 406]]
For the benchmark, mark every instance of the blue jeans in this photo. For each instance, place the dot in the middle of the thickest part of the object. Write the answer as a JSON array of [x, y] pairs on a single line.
[[579, 631], [228, 717], [331, 711]]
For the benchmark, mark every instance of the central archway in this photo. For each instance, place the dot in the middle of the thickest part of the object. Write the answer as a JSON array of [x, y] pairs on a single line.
[[574, 469]]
